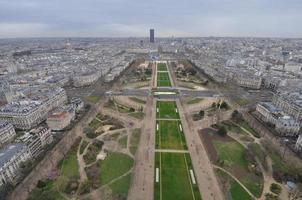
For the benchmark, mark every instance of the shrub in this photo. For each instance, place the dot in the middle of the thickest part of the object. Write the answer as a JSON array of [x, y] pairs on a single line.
[[270, 196], [201, 113], [275, 188], [224, 105], [237, 116], [222, 131]]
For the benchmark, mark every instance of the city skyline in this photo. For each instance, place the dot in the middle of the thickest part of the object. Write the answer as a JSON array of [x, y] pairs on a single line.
[[222, 18]]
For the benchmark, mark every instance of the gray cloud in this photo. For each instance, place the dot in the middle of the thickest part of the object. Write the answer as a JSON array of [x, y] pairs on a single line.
[[67, 18]]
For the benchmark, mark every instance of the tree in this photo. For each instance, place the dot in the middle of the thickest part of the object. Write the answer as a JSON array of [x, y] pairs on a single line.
[[224, 105], [222, 131], [191, 71], [275, 188], [201, 113], [237, 116]]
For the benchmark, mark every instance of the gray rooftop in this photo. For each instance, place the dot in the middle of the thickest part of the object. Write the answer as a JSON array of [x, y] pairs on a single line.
[[7, 152]]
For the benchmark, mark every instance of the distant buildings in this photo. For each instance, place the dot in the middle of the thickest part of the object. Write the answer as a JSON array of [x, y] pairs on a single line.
[[36, 139], [251, 82], [11, 158], [27, 114], [7, 133], [60, 118], [85, 79], [152, 36], [289, 102], [285, 125]]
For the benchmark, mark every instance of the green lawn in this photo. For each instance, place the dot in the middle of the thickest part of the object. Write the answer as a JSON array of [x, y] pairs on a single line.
[[166, 110], [47, 192], [174, 181], [163, 79], [231, 153], [94, 124], [68, 167], [169, 135], [194, 100], [238, 193], [242, 101], [120, 187], [137, 100], [246, 126], [93, 99], [231, 187], [137, 115], [123, 141], [134, 140], [115, 165], [162, 67]]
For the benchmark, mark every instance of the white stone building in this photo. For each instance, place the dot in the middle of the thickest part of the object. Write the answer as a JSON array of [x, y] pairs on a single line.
[[285, 125], [60, 118], [7, 133], [290, 103], [36, 140], [27, 114], [85, 79], [299, 143], [11, 158]]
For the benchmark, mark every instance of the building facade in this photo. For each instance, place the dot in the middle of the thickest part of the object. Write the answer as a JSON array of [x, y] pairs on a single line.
[[60, 118], [27, 114], [152, 40], [299, 143], [11, 158], [36, 140], [7, 133], [285, 125], [289, 102]]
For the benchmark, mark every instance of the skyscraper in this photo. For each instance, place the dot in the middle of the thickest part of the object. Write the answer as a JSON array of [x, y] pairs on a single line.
[[151, 35]]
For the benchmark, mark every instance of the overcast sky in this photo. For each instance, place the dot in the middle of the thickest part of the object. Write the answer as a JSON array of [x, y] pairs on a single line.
[[107, 18]]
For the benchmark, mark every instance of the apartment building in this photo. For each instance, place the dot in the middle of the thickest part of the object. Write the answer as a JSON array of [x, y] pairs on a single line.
[[290, 103], [60, 118], [26, 114], [299, 143], [11, 158], [285, 125], [85, 79], [7, 133], [36, 139]]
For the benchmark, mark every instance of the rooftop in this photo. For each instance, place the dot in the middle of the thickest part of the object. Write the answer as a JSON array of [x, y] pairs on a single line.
[[7, 152]]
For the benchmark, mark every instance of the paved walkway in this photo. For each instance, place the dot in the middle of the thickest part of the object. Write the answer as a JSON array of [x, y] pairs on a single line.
[[165, 119], [171, 151]]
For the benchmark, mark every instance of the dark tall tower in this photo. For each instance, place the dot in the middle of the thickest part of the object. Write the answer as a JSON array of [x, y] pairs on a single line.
[[151, 35]]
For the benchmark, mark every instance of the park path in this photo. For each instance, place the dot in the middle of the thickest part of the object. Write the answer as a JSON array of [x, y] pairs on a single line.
[[231, 175], [165, 119], [171, 151], [142, 181]]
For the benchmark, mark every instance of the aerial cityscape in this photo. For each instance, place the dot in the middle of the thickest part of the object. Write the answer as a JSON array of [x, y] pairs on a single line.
[[150, 112]]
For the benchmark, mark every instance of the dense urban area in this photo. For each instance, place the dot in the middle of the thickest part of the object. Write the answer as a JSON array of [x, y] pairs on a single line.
[[144, 118]]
